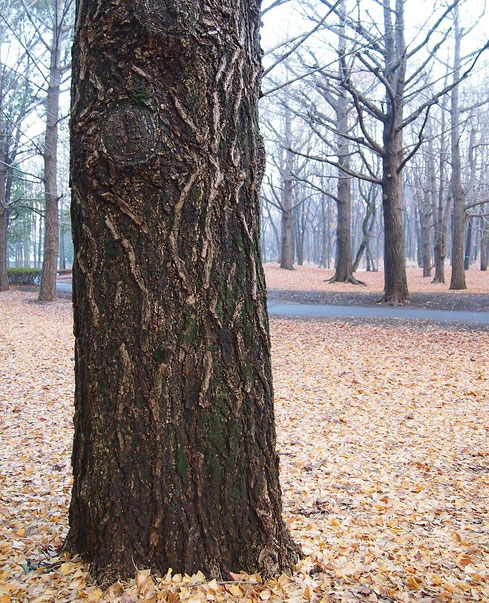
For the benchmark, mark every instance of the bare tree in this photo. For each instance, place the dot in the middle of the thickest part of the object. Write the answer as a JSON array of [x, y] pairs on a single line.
[[52, 21]]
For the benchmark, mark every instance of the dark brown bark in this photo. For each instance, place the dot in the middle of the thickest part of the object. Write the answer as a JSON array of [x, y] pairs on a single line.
[[174, 453]]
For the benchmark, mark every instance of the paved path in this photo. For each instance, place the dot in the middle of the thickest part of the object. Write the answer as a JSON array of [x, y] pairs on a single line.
[[387, 312], [276, 308]]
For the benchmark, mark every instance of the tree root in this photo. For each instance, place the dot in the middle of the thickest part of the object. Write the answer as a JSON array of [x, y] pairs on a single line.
[[393, 300], [349, 279]]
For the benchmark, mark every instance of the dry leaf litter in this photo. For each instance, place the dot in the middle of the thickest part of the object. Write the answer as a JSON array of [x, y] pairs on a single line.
[[383, 439]]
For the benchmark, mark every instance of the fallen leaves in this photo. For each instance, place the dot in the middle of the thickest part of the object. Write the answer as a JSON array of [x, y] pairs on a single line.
[[375, 436], [310, 278], [384, 462]]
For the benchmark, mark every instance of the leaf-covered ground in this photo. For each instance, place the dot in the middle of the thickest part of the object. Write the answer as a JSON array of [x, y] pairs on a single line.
[[308, 278], [383, 436]]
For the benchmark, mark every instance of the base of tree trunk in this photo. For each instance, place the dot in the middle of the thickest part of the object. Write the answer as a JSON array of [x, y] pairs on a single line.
[[457, 287], [394, 300], [348, 279], [287, 267], [272, 562], [437, 279]]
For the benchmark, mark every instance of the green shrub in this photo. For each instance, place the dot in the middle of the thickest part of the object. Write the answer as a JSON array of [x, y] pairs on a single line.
[[24, 276]]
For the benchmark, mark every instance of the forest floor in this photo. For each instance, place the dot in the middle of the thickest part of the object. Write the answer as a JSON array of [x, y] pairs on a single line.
[[308, 285], [383, 440]]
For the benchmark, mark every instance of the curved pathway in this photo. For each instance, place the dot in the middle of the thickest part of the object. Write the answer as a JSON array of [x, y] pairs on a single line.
[[383, 312], [291, 309]]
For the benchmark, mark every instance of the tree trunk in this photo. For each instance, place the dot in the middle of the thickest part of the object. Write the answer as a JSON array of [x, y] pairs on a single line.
[[484, 244], [395, 279], [468, 245], [440, 207], [287, 251], [3, 249], [287, 241], [426, 228], [457, 280], [47, 290], [299, 224], [3, 176], [174, 452], [367, 228], [343, 265], [344, 260], [324, 233]]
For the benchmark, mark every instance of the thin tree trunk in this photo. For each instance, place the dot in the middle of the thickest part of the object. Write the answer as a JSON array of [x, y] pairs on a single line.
[[344, 260], [367, 227], [457, 280], [324, 234], [3, 249], [287, 251], [3, 177], [468, 245], [440, 206], [47, 290], [287, 241], [484, 244], [174, 452], [426, 229], [395, 278]]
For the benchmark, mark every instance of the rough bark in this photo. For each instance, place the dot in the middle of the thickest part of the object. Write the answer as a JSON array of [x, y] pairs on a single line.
[[174, 452], [47, 290]]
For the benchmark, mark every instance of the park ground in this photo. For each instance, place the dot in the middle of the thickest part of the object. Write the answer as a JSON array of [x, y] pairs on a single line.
[[306, 284], [383, 441]]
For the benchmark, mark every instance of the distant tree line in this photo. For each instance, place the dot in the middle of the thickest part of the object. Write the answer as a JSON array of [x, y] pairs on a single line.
[[375, 134]]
